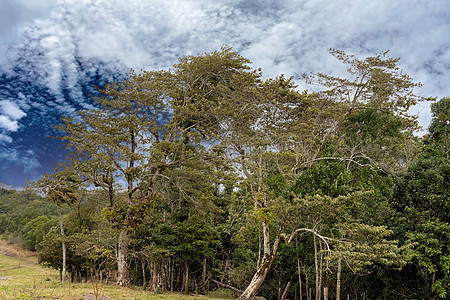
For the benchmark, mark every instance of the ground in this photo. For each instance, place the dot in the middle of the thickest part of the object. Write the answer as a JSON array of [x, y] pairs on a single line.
[[22, 278]]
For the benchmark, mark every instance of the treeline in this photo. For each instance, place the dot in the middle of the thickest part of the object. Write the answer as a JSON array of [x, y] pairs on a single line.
[[26, 217], [206, 176]]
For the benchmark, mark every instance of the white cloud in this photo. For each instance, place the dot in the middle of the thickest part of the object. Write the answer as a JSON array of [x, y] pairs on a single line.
[[12, 110], [51, 49], [9, 114], [4, 139], [27, 160], [17, 13], [288, 37], [8, 124]]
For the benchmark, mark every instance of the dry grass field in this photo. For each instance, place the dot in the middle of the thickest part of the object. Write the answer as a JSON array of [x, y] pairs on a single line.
[[22, 278]]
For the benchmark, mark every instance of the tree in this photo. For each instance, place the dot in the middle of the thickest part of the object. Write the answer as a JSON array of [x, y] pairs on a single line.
[[150, 135], [60, 187], [422, 199], [438, 138], [141, 128], [34, 231], [86, 229], [269, 129], [122, 146]]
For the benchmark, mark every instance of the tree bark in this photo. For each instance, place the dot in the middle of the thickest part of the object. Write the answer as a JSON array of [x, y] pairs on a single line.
[[171, 266], [61, 227], [285, 292], [433, 280], [279, 286], [154, 277], [186, 281], [144, 281], [266, 264], [320, 270], [204, 283], [299, 278], [122, 259], [338, 279], [316, 264], [308, 295]]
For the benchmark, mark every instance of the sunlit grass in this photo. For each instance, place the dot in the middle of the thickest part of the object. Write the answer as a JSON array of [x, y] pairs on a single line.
[[22, 278]]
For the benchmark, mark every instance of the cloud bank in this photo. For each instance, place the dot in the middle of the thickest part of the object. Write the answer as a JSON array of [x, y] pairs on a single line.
[[54, 53]]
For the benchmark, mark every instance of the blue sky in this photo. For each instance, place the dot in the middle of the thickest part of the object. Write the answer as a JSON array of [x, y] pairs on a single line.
[[53, 52]]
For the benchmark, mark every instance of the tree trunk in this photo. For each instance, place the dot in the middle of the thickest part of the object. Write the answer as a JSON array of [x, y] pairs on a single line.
[[266, 264], [338, 279], [308, 295], [316, 264], [204, 272], [186, 281], [258, 278], [144, 281], [171, 266], [286, 290], [64, 271], [154, 285], [320, 270], [259, 249], [279, 286], [299, 278], [122, 259], [433, 280]]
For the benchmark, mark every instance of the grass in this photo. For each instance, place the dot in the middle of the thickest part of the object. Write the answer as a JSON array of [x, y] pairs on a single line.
[[22, 278]]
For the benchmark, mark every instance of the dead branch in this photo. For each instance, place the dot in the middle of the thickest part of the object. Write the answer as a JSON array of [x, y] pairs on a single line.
[[227, 286]]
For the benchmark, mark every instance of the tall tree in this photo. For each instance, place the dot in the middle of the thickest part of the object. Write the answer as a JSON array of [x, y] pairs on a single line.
[[142, 127], [270, 129], [422, 199], [122, 145], [60, 187], [150, 127], [438, 138]]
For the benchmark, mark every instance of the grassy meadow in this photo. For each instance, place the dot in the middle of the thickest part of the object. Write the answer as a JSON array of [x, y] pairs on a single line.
[[22, 278]]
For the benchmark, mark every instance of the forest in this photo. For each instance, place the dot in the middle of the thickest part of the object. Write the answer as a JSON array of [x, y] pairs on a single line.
[[211, 176]]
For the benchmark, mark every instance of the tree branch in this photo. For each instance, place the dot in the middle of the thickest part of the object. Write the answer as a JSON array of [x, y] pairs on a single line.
[[227, 286], [323, 238]]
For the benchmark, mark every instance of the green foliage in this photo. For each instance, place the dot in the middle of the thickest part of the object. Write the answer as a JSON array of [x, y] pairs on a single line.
[[439, 136], [34, 231], [208, 171], [189, 240], [124, 216], [89, 238], [50, 254], [18, 208], [422, 201], [61, 186], [363, 245], [204, 81]]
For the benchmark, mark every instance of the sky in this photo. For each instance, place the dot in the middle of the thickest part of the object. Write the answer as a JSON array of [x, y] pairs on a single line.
[[54, 52]]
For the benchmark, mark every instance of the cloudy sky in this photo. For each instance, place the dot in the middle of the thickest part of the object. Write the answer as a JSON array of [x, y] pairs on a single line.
[[53, 52]]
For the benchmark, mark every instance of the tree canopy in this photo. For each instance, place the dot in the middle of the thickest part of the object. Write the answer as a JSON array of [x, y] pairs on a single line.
[[207, 174]]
